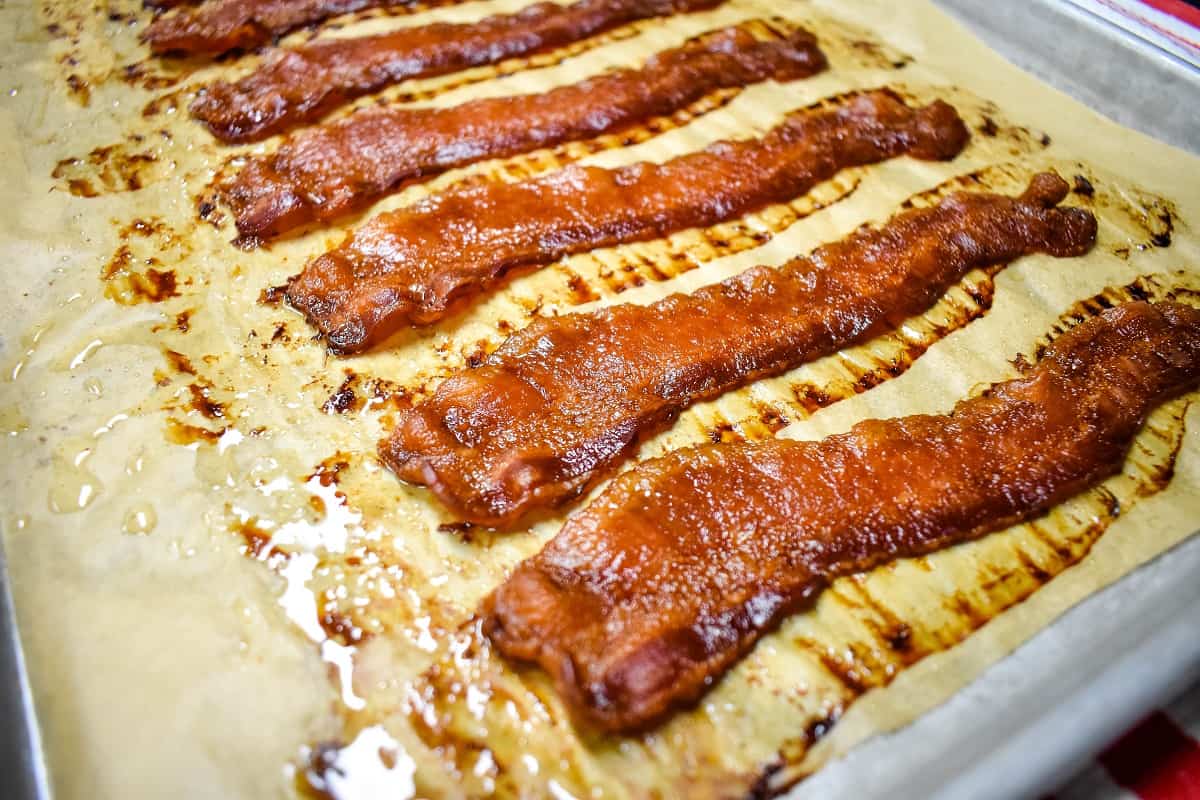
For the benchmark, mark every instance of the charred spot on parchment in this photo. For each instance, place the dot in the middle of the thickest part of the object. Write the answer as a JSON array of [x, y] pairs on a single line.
[[1178, 286], [136, 272], [125, 166], [357, 392]]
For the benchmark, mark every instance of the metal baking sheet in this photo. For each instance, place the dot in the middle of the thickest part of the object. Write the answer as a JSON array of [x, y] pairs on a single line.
[[1103, 66], [1088, 675], [1087, 671], [21, 758], [1091, 676]]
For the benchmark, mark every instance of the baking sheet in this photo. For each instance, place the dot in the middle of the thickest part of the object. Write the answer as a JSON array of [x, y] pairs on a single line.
[[20, 740], [1030, 722], [1171, 29], [1135, 84], [174, 636]]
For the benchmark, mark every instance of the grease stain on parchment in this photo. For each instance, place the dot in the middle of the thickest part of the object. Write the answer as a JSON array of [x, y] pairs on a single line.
[[283, 438]]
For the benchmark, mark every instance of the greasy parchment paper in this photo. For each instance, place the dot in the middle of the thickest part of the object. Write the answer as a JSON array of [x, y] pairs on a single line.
[[222, 594]]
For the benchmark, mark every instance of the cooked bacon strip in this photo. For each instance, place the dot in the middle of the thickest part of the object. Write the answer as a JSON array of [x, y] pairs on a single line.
[[220, 25], [648, 596], [328, 170], [564, 400], [305, 82], [408, 266]]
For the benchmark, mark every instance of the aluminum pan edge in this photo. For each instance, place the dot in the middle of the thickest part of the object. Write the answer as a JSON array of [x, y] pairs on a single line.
[[1138, 86], [1087, 672], [21, 754], [1110, 70]]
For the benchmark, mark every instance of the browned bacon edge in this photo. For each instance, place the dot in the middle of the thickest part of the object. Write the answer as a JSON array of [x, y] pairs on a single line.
[[302, 83], [334, 168], [218, 26], [564, 400], [408, 266], [647, 597]]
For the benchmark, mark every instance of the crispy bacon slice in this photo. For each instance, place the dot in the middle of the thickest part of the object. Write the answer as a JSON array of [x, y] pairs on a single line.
[[648, 596], [408, 266], [217, 26], [303, 83], [330, 169], [564, 400]]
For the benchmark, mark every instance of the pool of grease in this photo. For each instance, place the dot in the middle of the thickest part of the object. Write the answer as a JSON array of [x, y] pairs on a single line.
[[171, 424]]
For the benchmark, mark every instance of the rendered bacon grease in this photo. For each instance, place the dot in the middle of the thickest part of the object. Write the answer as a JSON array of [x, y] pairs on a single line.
[[648, 596], [567, 398], [331, 169], [300, 84], [406, 267]]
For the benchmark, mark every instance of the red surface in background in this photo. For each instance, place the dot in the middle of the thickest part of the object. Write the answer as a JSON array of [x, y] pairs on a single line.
[[1178, 9], [1157, 760]]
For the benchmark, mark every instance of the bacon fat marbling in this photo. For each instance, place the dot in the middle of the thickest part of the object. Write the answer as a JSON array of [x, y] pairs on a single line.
[[334, 168], [300, 84], [217, 26], [408, 266], [647, 597], [564, 400]]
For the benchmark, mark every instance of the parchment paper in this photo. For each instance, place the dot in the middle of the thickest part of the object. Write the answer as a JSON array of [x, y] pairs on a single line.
[[221, 592]]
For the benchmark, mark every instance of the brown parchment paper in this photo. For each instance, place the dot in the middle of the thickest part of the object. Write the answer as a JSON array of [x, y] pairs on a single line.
[[222, 594]]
